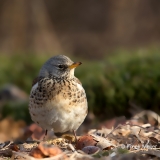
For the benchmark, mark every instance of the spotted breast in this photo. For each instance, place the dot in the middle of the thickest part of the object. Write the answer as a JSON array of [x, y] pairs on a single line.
[[58, 103]]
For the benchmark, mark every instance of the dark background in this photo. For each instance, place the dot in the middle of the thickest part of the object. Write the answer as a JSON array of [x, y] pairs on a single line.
[[82, 28]]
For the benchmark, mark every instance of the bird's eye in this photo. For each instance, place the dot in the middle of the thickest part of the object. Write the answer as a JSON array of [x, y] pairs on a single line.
[[61, 66]]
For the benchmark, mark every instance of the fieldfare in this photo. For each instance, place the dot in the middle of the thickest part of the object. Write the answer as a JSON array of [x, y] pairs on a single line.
[[57, 99]]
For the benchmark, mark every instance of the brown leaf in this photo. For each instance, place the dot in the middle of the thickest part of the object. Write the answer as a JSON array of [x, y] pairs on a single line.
[[49, 150], [68, 137], [84, 141], [36, 153], [14, 147], [38, 132], [44, 150]]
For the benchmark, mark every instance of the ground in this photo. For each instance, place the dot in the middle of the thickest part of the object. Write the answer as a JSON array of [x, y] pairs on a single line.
[[136, 138]]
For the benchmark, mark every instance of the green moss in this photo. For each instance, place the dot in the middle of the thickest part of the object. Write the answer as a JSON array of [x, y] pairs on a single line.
[[110, 83]]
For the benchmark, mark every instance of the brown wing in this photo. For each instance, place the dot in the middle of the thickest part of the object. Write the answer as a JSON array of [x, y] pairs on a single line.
[[35, 81]]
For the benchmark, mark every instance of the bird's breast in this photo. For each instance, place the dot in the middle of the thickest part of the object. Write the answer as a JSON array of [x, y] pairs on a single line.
[[55, 104]]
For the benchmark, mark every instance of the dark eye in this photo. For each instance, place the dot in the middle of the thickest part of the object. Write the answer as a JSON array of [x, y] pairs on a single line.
[[61, 66]]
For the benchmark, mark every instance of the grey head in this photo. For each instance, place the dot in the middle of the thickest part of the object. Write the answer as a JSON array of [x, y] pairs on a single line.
[[59, 66]]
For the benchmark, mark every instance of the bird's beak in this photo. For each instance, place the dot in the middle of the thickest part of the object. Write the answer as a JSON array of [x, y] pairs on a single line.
[[74, 65]]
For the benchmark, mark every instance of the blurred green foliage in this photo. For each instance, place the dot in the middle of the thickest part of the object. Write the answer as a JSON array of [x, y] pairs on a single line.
[[110, 84], [122, 78], [20, 69], [16, 110]]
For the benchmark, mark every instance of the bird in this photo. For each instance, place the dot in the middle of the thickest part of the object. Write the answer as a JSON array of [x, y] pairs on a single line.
[[57, 98]]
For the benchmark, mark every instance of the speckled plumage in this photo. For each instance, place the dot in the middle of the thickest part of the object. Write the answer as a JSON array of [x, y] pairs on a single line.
[[58, 101]]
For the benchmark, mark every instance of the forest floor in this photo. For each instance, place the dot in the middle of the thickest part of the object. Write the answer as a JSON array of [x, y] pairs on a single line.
[[136, 138]]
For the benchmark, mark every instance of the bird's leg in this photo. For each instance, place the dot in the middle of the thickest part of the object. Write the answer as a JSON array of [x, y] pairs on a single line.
[[74, 132], [45, 134]]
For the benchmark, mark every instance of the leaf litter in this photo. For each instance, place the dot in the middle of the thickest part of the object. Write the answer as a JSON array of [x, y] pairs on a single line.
[[132, 140]]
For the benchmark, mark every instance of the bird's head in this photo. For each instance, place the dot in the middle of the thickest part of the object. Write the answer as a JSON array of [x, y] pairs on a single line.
[[59, 66]]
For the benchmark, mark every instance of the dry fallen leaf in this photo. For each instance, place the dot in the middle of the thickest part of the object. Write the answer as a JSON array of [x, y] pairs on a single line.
[[34, 131], [14, 147], [49, 150], [84, 141], [103, 143], [36, 153], [125, 132], [44, 150]]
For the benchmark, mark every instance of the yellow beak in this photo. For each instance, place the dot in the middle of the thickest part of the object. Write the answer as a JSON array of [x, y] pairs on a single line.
[[74, 65]]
